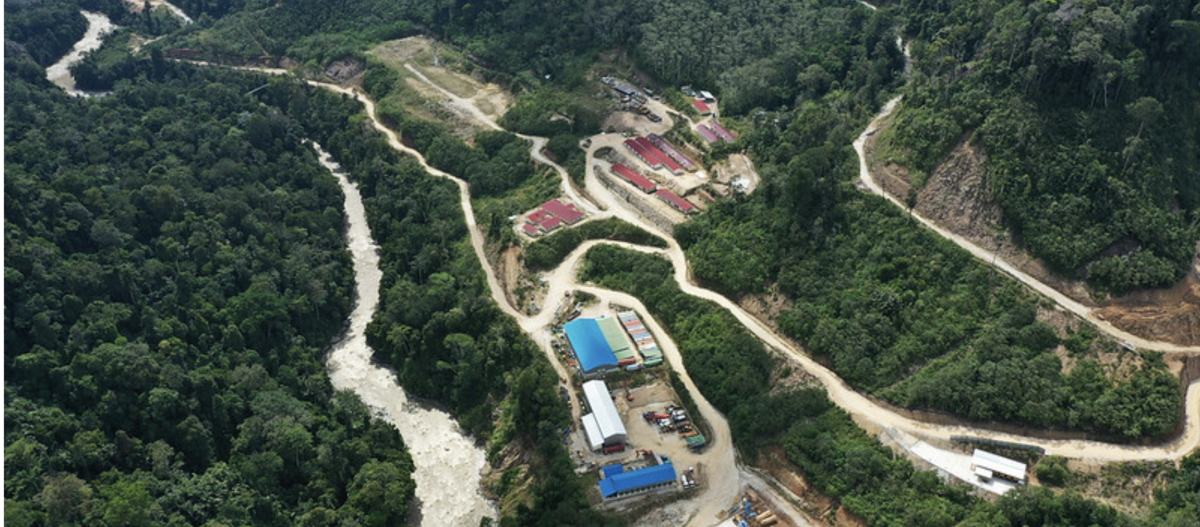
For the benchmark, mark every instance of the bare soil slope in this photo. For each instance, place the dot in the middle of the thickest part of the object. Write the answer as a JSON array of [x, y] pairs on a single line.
[[958, 197]]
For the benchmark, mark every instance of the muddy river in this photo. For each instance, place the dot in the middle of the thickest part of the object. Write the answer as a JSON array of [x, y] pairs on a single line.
[[60, 72], [448, 462]]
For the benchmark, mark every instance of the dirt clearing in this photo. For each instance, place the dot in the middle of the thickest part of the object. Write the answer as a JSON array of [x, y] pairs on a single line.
[[736, 174]]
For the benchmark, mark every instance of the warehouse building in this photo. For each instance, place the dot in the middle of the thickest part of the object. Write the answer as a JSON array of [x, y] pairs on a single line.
[[591, 348], [616, 341], [988, 465], [620, 484], [624, 88], [602, 427]]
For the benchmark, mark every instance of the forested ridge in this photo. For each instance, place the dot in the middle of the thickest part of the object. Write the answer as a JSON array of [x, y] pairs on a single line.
[[888, 305], [1087, 114], [174, 267]]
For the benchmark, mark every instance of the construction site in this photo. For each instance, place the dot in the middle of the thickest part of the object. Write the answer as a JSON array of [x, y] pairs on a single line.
[[753, 510]]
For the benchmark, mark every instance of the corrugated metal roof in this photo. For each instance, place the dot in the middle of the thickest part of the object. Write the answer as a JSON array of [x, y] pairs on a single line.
[[636, 479], [628, 174], [1008, 467], [612, 334], [589, 344], [568, 213], [591, 430], [721, 131], [670, 149], [701, 107], [607, 419], [612, 470], [676, 201]]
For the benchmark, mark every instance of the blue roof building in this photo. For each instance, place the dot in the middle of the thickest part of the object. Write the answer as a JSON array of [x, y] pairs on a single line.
[[590, 345], [619, 485], [613, 470]]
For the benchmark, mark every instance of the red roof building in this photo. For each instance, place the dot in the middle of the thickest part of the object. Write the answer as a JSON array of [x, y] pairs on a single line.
[[549, 224], [537, 216], [638, 180], [670, 163], [530, 229], [567, 213], [701, 107], [680, 204], [643, 154], [675, 154], [722, 132], [707, 134]]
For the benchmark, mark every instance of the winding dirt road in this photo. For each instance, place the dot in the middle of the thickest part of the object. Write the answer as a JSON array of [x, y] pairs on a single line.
[[467, 106], [563, 278], [840, 393], [868, 181], [136, 6], [855, 403]]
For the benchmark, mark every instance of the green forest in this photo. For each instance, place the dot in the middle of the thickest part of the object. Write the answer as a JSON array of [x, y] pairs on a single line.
[[180, 227], [174, 268], [1087, 114]]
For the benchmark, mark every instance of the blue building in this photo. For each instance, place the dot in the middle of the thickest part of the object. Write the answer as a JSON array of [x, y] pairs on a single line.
[[591, 348], [621, 484]]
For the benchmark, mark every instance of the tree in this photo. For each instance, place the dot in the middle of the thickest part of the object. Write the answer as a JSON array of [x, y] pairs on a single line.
[[65, 498], [380, 493]]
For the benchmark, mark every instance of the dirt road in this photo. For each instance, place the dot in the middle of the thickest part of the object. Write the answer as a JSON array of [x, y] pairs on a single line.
[[468, 106], [839, 392], [136, 6], [869, 182]]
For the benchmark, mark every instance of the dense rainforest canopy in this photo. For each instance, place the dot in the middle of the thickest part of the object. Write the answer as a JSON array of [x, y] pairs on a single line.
[[1087, 114], [178, 229], [174, 268]]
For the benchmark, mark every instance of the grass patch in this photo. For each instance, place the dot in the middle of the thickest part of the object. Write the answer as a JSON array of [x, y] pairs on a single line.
[[549, 252]]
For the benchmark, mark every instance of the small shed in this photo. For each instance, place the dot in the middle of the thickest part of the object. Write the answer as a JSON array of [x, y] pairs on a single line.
[[988, 465]]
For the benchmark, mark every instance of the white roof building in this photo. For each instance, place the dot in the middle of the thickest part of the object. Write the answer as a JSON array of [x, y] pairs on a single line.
[[988, 465], [603, 426]]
